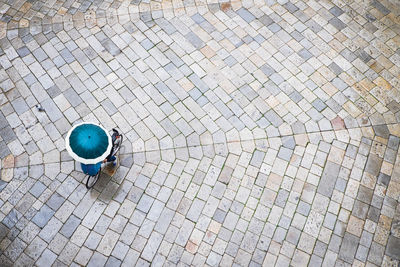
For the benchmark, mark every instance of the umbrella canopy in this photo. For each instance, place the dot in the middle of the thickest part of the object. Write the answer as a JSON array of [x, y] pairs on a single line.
[[88, 143]]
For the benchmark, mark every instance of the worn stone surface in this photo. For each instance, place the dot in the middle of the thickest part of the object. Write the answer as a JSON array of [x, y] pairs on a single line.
[[393, 247], [255, 132]]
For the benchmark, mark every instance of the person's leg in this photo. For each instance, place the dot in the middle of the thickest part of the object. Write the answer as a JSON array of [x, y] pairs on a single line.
[[113, 160]]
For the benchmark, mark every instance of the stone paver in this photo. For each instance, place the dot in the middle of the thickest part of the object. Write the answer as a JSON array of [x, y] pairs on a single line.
[[256, 132]]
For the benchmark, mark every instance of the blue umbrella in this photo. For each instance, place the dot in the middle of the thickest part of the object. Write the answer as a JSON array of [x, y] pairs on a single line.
[[88, 143]]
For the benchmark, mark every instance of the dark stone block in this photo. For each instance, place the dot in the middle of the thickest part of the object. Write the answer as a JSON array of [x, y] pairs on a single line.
[[197, 18], [336, 11], [285, 153], [305, 54], [281, 198], [245, 15], [257, 159], [67, 56], [70, 226], [380, 7], [341, 184], [7, 134], [266, 20], [296, 97], [303, 208], [274, 118], [365, 194], [37, 189], [314, 26], [337, 23], [383, 179], [3, 121], [382, 131], [55, 201], [3, 231], [328, 179], [377, 201], [335, 68], [225, 175], [53, 91], [4, 151], [274, 27], [360, 210], [347, 54], [248, 92], [291, 7], [43, 216], [390, 202], [393, 142], [219, 216], [23, 51], [12, 218], [393, 247], [334, 243], [73, 98], [348, 248], [363, 55], [319, 105], [113, 262], [110, 47], [194, 40], [376, 253], [373, 165], [267, 70]]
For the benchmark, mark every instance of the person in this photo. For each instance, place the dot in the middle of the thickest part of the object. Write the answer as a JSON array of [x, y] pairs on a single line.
[[111, 157], [93, 169]]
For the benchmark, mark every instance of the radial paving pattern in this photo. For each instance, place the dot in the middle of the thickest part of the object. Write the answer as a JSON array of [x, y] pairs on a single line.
[[257, 132]]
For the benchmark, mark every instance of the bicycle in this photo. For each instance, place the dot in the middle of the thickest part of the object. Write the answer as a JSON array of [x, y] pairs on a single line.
[[116, 139], [92, 179]]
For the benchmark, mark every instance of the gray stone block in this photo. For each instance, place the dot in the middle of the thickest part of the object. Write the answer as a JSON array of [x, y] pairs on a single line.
[[377, 251], [393, 247], [55, 201], [348, 248], [337, 23], [373, 165], [37, 189], [328, 179], [7, 134], [43, 216]]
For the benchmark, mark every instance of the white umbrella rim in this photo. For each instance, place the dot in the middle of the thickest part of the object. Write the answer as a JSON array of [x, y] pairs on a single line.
[[83, 160]]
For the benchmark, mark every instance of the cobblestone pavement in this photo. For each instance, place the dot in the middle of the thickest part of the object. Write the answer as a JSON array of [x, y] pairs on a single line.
[[257, 132]]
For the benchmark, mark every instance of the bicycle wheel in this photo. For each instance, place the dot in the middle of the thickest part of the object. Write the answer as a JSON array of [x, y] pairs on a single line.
[[91, 180]]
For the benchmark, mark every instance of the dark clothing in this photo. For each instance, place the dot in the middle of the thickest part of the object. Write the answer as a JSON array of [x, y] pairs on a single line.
[[91, 169], [110, 157]]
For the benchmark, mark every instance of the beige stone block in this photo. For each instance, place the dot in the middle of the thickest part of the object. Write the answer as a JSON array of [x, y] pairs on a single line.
[[7, 174], [355, 226]]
